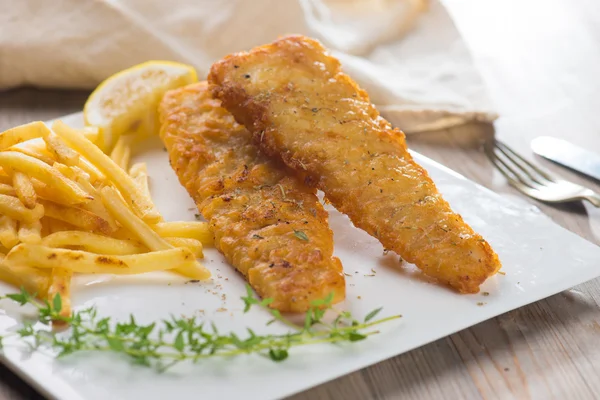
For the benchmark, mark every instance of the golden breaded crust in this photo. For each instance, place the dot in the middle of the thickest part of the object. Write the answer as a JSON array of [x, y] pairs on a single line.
[[303, 110], [268, 224]]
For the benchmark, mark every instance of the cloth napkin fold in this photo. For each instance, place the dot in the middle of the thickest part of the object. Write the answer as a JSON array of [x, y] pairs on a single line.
[[407, 54]]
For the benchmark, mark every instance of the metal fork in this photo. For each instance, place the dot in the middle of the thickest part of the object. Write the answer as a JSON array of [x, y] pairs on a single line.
[[535, 181]]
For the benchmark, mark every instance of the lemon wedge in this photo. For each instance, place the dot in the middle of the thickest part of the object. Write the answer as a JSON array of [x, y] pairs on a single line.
[[127, 102]]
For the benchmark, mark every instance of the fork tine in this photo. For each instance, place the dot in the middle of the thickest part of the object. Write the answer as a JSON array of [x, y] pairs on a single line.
[[509, 172], [513, 182], [513, 156], [552, 190]]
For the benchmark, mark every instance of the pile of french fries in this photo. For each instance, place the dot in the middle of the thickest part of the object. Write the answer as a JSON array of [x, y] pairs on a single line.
[[66, 207]]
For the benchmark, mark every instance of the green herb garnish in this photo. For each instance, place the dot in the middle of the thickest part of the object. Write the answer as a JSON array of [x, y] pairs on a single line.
[[301, 235], [168, 342]]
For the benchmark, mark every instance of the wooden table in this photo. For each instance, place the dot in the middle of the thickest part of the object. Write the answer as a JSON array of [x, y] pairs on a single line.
[[540, 59]]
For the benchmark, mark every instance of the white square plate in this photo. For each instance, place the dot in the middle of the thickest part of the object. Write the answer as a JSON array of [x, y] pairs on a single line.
[[539, 258]]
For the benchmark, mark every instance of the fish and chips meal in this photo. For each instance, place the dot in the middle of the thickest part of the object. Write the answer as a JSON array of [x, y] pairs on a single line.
[[252, 145]]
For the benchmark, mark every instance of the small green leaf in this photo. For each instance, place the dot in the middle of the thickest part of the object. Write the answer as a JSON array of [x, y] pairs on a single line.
[[146, 330], [21, 298], [26, 330], [65, 352], [355, 336], [317, 314], [266, 302], [308, 321], [301, 235], [236, 341], [115, 344], [249, 299], [57, 303], [141, 360], [329, 298], [168, 325], [278, 354], [276, 314], [317, 303], [179, 343], [102, 325], [372, 314]]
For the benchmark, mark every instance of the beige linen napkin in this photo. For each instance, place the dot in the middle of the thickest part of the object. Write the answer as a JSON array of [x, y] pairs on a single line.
[[407, 54]]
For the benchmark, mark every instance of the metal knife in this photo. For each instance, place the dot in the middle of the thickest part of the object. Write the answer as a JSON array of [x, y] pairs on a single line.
[[567, 154]]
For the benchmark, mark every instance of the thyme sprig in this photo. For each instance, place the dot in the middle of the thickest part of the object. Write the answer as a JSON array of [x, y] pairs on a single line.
[[168, 342]]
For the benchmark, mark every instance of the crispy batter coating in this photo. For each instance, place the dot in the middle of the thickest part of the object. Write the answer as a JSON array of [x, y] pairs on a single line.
[[301, 108], [266, 222]]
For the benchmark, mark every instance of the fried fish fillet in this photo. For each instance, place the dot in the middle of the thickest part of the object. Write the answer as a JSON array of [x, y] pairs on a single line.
[[302, 109], [266, 222]]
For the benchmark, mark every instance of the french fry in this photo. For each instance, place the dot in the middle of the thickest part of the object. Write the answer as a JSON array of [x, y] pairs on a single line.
[[35, 168], [137, 169], [93, 243], [139, 173], [142, 181], [30, 232], [95, 175], [22, 133], [8, 232], [78, 217], [34, 151], [95, 206], [68, 172], [60, 284], [195, 246], [121, 153], [7, 189], [47, 192], [13, 208], [24, 189], [69, 157], [119, 210], [123, 234], [59, 149], [128, 188], [91, 133], [33, 280], [144, 233], [186, 229], [55, 225], [8, 276], [45, 228], [90, 263]]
